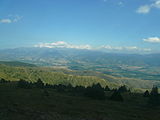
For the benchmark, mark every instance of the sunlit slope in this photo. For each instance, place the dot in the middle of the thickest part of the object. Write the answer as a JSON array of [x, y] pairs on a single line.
[[33, 74], [64, 76]]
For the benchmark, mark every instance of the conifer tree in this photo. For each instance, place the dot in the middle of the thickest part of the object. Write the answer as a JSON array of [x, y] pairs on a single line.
[[116, 96], [154, 98], [39, 83], [146, 94]]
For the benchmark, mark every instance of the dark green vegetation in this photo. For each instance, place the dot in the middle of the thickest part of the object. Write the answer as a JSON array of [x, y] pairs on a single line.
[[17, 64], [38, 101]]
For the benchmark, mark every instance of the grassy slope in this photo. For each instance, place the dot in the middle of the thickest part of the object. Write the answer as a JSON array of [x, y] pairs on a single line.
[[131, 82], [31, 104], [64, 76], [51, 77]]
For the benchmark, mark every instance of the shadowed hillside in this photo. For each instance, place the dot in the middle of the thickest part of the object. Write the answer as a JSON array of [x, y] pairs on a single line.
[[36, 101]]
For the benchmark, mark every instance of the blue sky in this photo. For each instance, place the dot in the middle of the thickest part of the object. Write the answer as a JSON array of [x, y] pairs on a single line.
[[113, 24]]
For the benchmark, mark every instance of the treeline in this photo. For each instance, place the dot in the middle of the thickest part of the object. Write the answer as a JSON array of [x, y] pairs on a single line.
[[96, 91]]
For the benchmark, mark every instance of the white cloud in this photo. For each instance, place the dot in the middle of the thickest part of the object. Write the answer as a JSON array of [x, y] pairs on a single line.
[[11, 19], [152, 40], [144, 9], [62, 44], [126, 48], [111, 47], [147, 8], [156, 4], [5, 21]]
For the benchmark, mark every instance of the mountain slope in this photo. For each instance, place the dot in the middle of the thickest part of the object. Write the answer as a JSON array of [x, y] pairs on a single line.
[[63, 76]]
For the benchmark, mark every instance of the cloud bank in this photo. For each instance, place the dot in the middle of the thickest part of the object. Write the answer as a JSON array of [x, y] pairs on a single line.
[[62, 44], [126, 48]]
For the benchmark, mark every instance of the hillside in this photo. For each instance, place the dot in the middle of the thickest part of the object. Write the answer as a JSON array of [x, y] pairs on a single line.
[[33, 74], [63, 76], [17, 64], [34, 104]]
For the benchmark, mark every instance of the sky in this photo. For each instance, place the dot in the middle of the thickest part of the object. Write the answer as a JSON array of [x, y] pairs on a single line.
[[118, 25]]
